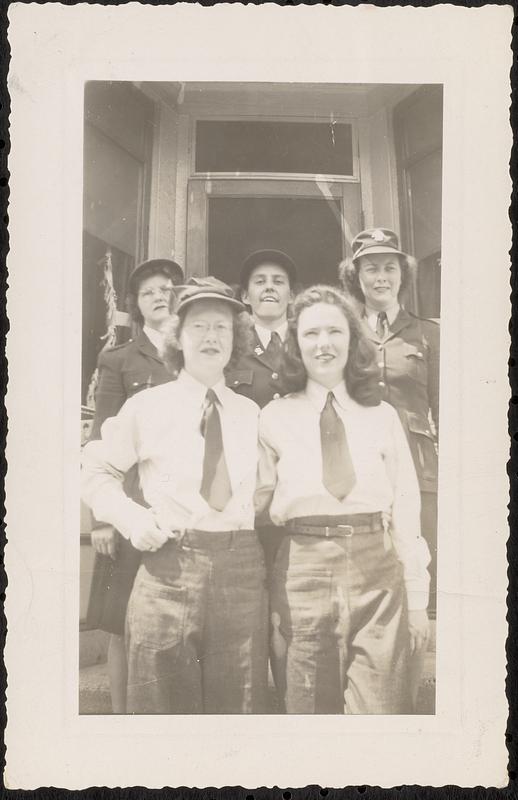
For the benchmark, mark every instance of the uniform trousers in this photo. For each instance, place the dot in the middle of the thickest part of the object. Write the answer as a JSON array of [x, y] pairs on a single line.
[[197, 627], [343, 615]]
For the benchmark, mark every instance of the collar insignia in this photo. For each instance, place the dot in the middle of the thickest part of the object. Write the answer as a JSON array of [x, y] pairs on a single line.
[[258, 350]]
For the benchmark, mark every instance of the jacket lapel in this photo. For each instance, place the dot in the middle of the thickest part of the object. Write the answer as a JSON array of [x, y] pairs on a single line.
[[147, 347], [259, 352], [403, 320]]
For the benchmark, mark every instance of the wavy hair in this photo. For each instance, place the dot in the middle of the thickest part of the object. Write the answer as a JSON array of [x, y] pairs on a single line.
[[241, 340], [349, 275], [360, 373]]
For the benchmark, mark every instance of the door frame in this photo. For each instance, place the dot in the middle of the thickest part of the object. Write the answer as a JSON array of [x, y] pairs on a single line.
[[201, 190]]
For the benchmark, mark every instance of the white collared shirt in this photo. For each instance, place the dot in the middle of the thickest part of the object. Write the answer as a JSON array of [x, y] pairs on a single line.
[[155, 337], [159, 430], [265, 334], [372, 316], [290, 472]]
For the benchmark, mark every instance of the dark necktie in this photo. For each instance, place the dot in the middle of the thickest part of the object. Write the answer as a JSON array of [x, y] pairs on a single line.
[[215, 485], [337, 467], [382, 325], [274, 350]]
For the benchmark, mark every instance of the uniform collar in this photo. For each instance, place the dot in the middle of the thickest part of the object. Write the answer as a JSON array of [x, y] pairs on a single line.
[[317, 395], [155, 337], [197, 391], [265, 334], [371, 315]]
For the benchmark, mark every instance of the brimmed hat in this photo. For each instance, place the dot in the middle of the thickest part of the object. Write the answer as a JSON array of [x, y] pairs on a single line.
[[208, 288], [375, 240], [259, 257], [165, 265]]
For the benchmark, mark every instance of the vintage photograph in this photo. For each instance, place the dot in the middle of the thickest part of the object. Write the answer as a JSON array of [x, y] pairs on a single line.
[[261, 303]]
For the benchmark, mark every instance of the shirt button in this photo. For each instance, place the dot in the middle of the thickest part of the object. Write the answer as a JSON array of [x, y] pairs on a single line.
[[275, 375], [419, 355], [276, 396], [381, 364], [235, 383], [381, 383]]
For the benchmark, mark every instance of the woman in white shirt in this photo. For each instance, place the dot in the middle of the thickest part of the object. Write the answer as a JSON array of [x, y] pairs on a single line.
[[196, 621], [350, 584]]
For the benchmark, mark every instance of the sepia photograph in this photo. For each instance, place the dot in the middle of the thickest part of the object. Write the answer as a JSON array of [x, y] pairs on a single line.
[[257, 402], [307, 217]]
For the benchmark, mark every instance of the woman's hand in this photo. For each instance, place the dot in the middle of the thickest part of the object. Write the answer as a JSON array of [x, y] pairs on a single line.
[[104, 541], [418, 626]]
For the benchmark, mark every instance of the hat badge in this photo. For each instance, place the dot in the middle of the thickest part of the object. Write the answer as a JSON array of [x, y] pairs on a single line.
[[378, 235]]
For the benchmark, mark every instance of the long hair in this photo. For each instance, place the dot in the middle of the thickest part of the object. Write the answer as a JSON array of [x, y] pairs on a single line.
[[360, 373], [132, 296], [349, 275], [173, 355]]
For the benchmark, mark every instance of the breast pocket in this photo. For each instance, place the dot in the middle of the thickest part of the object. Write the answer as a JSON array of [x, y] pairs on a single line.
[[240, 379], [416, 361], [137, 381], [422, 445]]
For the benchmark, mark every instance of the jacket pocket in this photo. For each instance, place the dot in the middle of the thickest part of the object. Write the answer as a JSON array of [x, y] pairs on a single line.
[[138, 381], [422, 445], [416, 358], [240, 377]]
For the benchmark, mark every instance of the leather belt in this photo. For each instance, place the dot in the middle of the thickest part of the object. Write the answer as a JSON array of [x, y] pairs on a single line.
[[344, 527]]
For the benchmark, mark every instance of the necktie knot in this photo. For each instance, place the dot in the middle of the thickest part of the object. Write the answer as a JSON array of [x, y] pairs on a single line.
[[211, 397]]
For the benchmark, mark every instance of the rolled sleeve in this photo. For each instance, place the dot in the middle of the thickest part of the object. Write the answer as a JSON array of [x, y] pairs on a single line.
[[104, 465], [410, 546]]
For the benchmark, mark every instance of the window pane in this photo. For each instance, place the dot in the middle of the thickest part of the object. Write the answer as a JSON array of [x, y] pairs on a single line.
[[322, 148]]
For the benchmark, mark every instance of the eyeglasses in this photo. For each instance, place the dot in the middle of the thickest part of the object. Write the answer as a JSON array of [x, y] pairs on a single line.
[[200, 329], [156, 291]]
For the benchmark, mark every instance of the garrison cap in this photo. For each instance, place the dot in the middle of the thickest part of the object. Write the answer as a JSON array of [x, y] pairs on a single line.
[[375, 240], [165, 265], [208, 288], [259, 257]]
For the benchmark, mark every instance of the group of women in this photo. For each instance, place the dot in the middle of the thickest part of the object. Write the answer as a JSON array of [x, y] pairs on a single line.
[[186, 470]]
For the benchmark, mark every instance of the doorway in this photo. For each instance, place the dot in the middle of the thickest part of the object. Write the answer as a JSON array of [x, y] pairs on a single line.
[[312, 221]]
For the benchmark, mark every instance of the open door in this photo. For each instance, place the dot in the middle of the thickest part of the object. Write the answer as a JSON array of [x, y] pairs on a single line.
[[312, 221]]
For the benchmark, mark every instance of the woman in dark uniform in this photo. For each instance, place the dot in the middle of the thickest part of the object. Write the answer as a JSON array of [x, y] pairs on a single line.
[[124, 371], [408, 359]]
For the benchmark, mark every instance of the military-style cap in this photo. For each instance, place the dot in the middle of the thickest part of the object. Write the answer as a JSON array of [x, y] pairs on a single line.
[[165, 265], [259, 257], [208, 288], [375, 240]]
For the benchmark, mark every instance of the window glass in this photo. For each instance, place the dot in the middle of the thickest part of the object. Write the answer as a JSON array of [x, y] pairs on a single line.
[[322, 148]]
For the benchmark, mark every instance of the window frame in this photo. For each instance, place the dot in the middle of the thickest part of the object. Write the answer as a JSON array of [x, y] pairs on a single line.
[[284, 176]]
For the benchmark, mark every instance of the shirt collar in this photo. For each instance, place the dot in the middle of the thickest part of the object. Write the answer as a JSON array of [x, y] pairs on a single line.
[[197, 391], [372, 316], [265, 334], [317, 394], [155, 337]]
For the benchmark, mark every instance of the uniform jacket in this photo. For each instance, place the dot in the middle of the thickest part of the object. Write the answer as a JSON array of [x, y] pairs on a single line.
[[408, 360], [123, 371], [255, 376]]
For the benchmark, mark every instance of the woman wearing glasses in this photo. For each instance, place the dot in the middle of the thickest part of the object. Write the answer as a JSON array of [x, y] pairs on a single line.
[[124, 371], [196, 622], [350, 585]]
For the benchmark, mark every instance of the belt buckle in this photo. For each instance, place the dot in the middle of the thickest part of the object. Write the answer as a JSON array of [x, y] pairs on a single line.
[[348, 528]]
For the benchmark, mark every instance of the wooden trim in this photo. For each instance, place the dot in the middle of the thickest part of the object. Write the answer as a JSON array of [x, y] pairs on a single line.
[[254, 187]]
